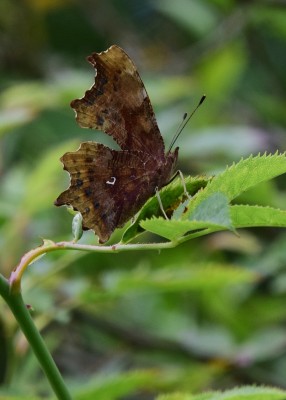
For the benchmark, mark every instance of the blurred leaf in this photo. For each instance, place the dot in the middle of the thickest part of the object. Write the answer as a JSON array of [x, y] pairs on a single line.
[[271, 17], [242, 393], [231, 141], [194, 15], [47, 5], [177, 279], [12, 118], [113, 387], [41, 183], [20, 397], [245, 243], [221, 71], [165, 91], [22, 102], [30, 95], [259, 348]]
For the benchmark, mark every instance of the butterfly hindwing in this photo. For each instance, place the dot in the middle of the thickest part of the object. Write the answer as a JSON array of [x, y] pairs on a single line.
[[104, 186]]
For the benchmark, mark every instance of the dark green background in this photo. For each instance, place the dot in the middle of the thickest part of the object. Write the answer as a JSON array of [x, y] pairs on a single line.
[[208, 314]]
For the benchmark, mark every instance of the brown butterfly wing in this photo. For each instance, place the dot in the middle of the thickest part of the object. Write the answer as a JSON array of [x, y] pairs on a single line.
[[118, 104], [107, 186]]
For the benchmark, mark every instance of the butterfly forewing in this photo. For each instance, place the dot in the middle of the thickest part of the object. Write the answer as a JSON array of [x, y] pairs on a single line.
[[118, 104]]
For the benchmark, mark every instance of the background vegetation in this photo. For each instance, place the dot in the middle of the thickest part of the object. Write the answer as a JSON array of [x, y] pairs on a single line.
[[209, 314]]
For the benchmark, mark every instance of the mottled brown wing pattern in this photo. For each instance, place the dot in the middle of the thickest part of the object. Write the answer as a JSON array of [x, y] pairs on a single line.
[[107, 186], [104, 185], [118, 104]]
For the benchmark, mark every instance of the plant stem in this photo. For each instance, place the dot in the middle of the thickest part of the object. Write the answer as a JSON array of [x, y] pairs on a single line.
[[11, 292], [26, 323], [49, 246]]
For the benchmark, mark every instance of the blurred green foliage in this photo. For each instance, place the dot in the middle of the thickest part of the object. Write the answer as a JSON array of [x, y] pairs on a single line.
[[208, 314]]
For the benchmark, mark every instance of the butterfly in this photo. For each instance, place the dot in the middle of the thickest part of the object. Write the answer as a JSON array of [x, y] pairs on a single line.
[[109, 186]]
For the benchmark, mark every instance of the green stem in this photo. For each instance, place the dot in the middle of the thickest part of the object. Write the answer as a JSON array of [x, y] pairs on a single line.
[[26, 323], [49, 246], [11, 292]]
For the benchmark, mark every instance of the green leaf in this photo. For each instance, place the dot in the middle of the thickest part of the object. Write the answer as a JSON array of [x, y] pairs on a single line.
[[244, 216], [171, 229], [242, 393], [211, 214], [171, 196], [214, 210], [242, 176], [208, 211]]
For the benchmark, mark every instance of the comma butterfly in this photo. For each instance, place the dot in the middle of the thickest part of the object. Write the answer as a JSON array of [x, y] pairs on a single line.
[[108, 186]]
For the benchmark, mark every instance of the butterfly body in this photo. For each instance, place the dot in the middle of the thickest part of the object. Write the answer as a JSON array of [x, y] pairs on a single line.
[[109, 186]]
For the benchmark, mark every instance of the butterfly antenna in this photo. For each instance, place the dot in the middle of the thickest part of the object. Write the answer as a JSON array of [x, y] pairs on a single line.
[[184, 122]]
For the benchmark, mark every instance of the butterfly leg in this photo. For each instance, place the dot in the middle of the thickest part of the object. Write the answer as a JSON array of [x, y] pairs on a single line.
[[179, 172], [160, 203]]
